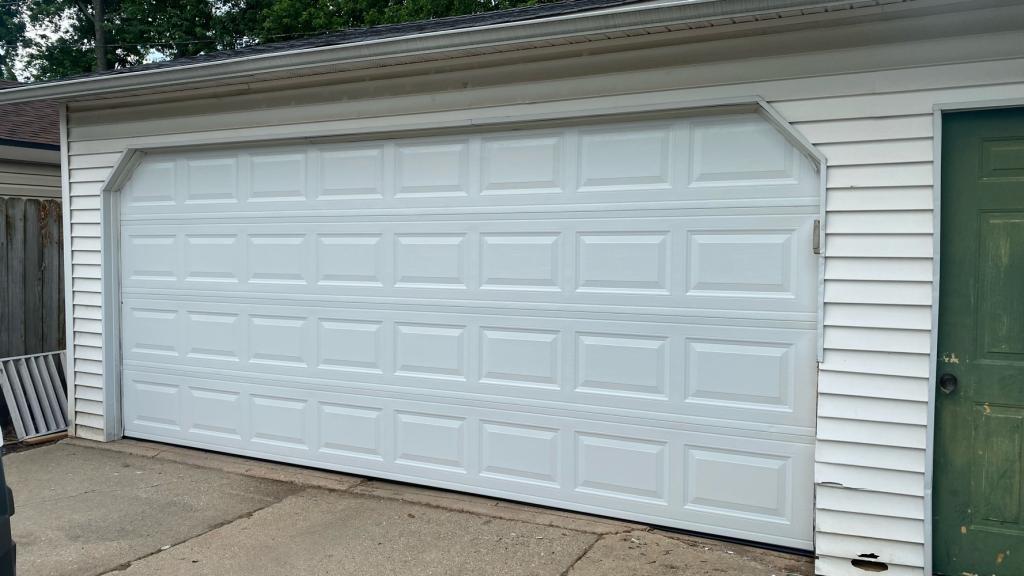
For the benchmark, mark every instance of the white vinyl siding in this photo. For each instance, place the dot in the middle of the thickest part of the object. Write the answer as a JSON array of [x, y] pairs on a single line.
[[875, 128], [29, 179], [86, 343], [873, 383]]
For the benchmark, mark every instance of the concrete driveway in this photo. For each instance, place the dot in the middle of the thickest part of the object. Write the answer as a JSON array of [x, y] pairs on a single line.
[[133, 508]]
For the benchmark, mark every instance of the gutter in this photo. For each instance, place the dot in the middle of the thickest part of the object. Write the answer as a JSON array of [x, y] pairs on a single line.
[[440, 44]]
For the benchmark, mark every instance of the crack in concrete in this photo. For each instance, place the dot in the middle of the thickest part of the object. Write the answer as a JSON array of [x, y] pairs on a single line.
[[127, 565], [93, 491], [296, 481], [583, 553]]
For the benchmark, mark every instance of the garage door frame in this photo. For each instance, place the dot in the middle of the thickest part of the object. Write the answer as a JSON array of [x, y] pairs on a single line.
[[499, 118]]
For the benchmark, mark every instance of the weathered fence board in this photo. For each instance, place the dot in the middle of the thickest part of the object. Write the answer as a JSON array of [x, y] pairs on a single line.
[[52, 275], [5, 294], [31, 277], [15, 321]]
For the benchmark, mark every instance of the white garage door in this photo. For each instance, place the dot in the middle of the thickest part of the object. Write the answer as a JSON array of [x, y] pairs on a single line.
[[614, 318]]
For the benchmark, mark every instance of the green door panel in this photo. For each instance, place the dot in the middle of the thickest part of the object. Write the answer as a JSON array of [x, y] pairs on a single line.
[[978, 522]]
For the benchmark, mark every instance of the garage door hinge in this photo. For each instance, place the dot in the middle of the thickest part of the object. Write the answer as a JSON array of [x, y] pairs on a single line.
[[816, 238]]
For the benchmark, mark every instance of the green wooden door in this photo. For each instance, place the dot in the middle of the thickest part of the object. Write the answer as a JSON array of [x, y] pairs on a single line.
[[979, 434]]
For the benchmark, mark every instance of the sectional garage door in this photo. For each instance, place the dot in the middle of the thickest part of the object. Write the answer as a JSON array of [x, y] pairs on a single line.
[[616, 318]]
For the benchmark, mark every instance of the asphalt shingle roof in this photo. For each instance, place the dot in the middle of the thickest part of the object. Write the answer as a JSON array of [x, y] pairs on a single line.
[[32, 122]]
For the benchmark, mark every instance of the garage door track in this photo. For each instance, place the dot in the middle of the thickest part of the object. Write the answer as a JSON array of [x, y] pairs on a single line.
[[136, 508]]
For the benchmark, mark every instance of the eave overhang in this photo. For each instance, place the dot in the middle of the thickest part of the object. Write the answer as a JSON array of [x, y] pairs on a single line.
[[599, 24]]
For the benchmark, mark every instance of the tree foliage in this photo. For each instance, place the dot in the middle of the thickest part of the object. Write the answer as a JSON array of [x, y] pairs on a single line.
[[274, 20], [12, 30], [78, 36], [133, 30]]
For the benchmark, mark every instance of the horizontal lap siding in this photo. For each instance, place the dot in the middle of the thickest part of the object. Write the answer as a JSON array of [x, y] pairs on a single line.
[[87, 175], [29, 179], [873, 381]]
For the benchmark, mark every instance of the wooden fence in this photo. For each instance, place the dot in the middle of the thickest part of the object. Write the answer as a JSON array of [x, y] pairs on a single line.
[[31, 276]]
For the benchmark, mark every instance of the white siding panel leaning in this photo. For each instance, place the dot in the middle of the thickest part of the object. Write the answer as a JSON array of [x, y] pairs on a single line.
[[449, 311]]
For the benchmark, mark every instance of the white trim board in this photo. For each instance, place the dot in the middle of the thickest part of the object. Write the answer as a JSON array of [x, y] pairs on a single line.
[[69, 315]]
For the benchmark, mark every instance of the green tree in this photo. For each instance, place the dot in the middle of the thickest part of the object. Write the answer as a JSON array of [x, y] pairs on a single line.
[[12, 35], [262, 21], [60, 49], [85, 36], [82, 36]]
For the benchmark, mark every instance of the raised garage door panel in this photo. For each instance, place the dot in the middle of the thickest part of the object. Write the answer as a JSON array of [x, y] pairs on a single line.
[[616, 318]]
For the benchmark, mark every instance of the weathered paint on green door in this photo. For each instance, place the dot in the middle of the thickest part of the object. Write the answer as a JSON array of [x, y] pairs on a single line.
[[979, 434]]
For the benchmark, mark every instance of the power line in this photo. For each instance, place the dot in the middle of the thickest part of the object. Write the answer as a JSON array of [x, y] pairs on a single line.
[[233, 41], [133, 44], [208, 40]]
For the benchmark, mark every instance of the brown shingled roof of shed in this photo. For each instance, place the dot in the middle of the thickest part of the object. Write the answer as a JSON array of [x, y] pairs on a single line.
[[29, 122]]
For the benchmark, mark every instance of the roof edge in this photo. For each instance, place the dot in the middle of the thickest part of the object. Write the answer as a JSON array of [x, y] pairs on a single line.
[[441, 44], [28, 144]]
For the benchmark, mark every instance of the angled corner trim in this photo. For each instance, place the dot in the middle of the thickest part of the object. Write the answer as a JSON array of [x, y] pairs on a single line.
[[123, 169]]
